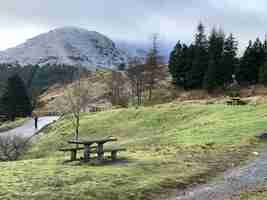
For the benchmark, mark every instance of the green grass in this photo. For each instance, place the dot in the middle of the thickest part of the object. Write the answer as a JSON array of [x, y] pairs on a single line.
[[256, 195], [168, 146], [6, 126]]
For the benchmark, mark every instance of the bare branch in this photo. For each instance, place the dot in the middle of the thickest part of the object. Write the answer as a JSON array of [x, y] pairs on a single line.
[[12, 147]]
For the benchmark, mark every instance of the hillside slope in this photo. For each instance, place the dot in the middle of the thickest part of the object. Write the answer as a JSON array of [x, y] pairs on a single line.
[[171, 145]]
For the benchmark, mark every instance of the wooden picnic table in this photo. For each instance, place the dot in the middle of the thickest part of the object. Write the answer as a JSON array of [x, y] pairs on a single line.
[[236, 101], [88, 146]]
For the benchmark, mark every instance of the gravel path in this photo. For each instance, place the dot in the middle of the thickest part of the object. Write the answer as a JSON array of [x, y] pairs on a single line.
[[27, 130], [232, 183]]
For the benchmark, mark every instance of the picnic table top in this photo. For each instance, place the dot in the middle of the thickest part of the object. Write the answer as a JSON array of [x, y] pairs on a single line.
[[92, 141], [236, 98]]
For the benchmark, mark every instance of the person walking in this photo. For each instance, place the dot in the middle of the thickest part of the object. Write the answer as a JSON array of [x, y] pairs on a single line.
[[36, 122]]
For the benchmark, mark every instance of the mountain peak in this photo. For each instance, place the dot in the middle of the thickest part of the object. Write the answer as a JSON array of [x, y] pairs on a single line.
[[66, 45], [72, 29], [69, 28]]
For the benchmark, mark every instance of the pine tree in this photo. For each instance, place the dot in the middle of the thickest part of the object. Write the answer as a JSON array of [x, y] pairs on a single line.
[[263, 68], [213, 76], [263, 74], [252, 60], [243, 71], [265, 44], [259, 58], [15, 100], [174, 62], [230, 61], [199, 59], [210, 79], [179, 64]]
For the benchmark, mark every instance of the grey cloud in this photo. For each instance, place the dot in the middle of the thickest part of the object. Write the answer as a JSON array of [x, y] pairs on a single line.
[[136, 19]]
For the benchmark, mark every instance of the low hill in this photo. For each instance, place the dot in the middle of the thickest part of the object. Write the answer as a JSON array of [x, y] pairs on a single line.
[[99, 82], [164, 92], [169, 146]]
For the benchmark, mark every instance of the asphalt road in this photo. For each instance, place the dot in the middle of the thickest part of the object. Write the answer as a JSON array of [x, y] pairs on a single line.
[[27, 130]]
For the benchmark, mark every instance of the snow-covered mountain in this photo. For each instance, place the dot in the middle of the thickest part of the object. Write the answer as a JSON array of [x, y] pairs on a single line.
[[68, 45]]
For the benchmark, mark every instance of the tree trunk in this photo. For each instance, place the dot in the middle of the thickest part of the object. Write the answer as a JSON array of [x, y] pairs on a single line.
[[77, 129], [150, 94]]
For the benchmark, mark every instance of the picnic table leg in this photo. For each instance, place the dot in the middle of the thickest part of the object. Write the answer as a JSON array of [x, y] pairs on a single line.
[[73, 155], [100, 151], [114, 155], [87, 152]]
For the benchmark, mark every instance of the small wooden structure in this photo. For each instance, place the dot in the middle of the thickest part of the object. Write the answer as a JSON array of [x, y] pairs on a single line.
[[89, 148], [236, 101], [73, 152]]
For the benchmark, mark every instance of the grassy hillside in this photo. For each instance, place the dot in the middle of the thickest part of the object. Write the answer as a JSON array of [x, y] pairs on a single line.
[[168, 146], [259, 194]]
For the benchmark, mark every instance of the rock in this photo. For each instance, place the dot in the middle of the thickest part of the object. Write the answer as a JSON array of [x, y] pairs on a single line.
[[255, 153]]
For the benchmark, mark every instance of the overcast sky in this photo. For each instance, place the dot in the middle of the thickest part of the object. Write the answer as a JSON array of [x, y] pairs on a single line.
[[132, 20]]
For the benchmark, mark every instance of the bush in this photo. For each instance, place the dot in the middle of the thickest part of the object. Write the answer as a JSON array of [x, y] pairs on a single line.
[[12, 147]]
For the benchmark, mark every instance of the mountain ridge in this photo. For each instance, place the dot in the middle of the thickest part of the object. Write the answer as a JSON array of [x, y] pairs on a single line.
[[67, 45]]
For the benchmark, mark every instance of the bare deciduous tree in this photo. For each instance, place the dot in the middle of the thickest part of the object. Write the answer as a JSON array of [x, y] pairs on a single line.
[[153, 65], [77, 98], [136, 75], [12, 147], [119, 88]]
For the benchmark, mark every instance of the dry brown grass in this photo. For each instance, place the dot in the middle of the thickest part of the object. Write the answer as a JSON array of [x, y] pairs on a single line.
[[166, 92], [47, 100]]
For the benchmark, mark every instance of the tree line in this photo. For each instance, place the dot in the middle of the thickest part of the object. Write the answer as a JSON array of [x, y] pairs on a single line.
[[21, 86], [15, 101], [212, 61]]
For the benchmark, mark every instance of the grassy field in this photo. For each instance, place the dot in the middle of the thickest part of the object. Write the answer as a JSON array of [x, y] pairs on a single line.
[[168, 146]]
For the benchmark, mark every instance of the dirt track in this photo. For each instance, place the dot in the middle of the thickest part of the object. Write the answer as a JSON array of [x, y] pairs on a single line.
[[250, 177]]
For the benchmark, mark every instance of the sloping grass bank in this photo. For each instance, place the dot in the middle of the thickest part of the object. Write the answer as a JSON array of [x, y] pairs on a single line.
[[168, 146], [261, 194], [6, 126]]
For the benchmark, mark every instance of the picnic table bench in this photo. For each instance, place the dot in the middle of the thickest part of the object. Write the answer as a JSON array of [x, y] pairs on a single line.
[[89, 148], [113, 151], [73, 152]]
